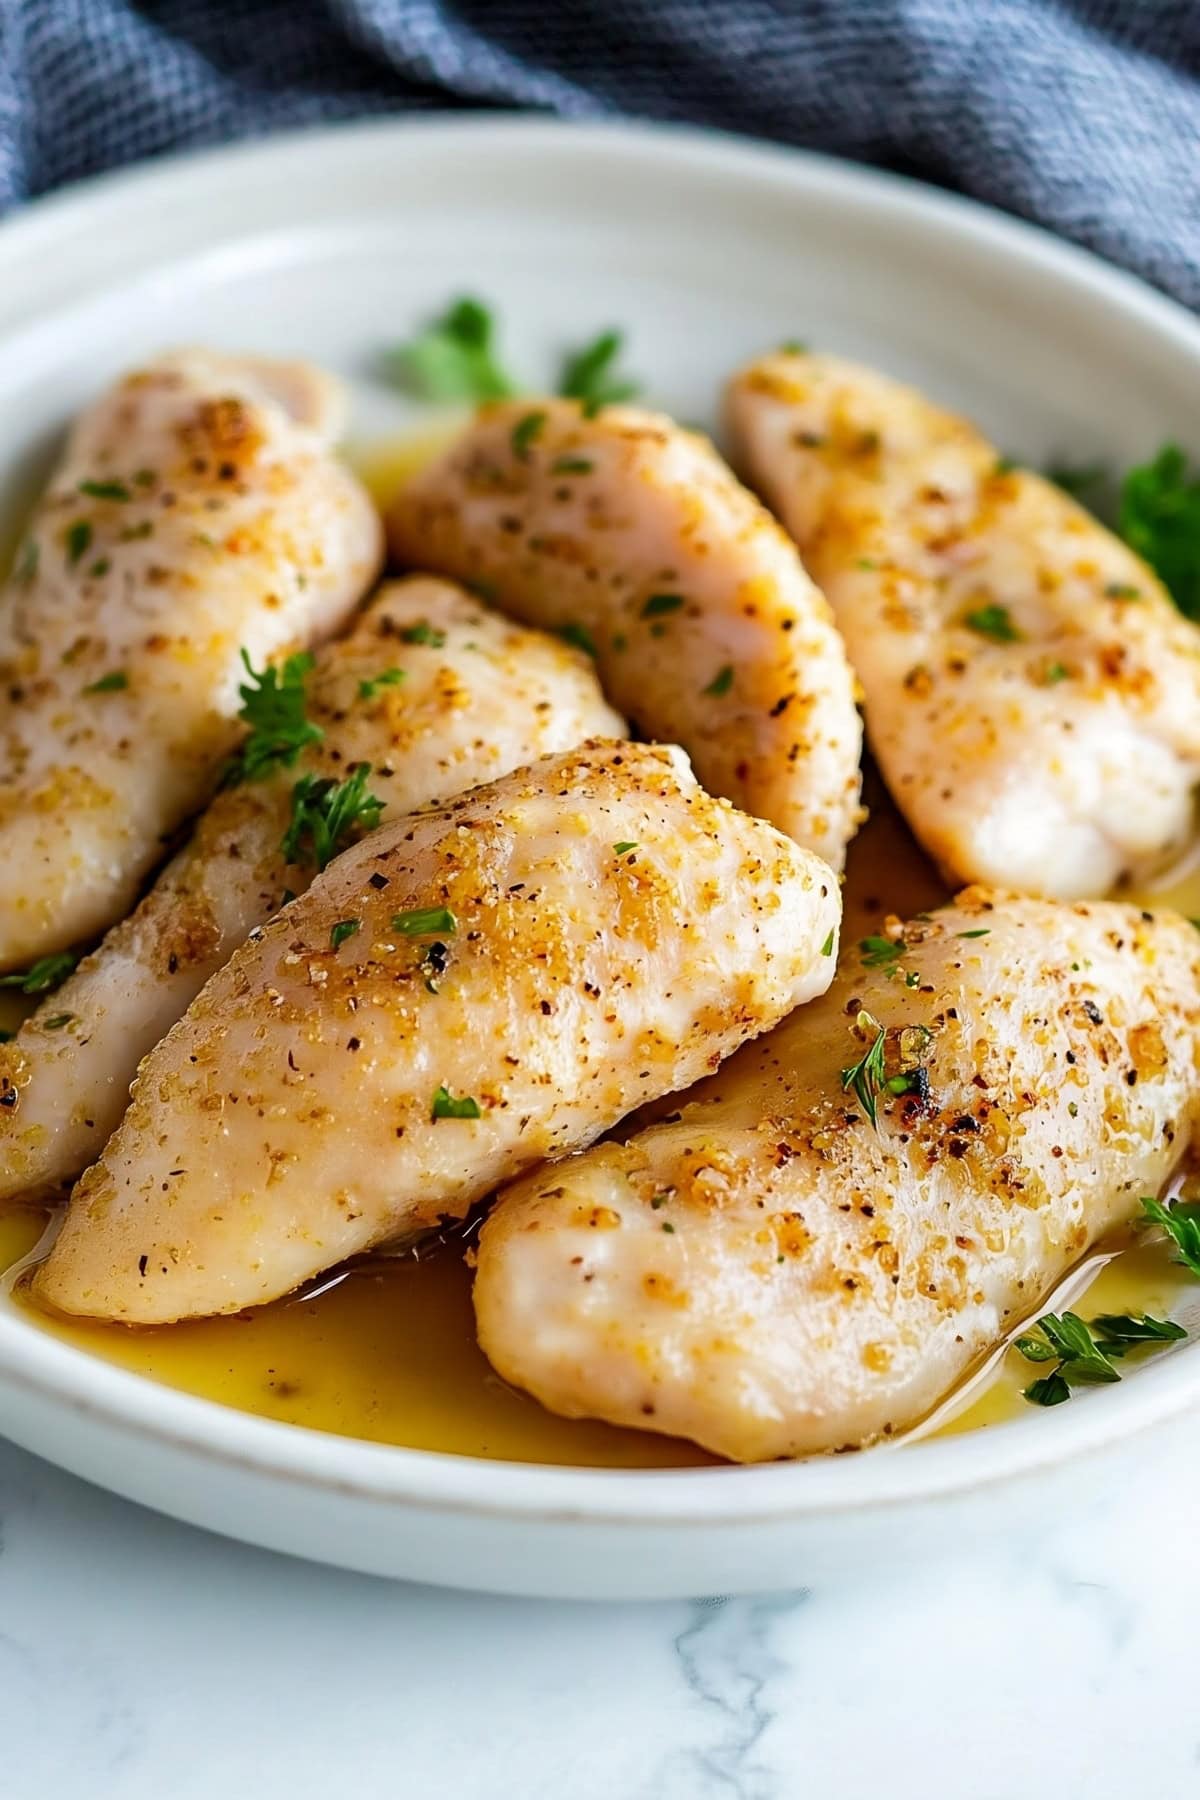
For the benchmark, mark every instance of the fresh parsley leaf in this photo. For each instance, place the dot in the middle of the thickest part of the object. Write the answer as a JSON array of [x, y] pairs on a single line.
[[78, 538], [326, 812], [367, 690], [445, 1106], [1181, 1222], [1048, 1390], [589, 375], [345, 928], [424, 633], [111, 683], [994, 622], [273, 702], [424, 921], [867, 1075], [721, 682], [1083, 1352], [525, 434], [454, 358], [1124, 1331], [105, 490], [43, 976], [580, 636], [1159, 518], [625, 846]]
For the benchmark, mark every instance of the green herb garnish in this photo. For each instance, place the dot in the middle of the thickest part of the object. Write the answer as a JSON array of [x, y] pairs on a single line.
[[112, 683], [345, 928], [43, 976], [580, 636], [1159, 518], [454, 358], [445, 1106], [1084, 1353], [881, 952], [367, 690], [658, 604], [721, 682], [105, 490], [1181, 1222], [425, 921], [588, 375], [994, 622], [79, 536], [525, 433], [626, 845], [57, 1021], [571, 465], [867, 1075], [827, 946], [325, 813], [273, 703], [424, 633], [980, 931]]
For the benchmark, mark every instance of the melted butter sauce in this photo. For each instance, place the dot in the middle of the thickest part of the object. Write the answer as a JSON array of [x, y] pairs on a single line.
[[386, 1351]]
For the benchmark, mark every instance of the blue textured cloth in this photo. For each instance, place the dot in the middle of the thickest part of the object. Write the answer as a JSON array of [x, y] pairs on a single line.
[[1084, 114]]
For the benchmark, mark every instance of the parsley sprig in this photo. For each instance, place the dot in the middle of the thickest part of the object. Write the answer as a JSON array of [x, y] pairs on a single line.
[[590, 376], [1155, 507], [273, 706], [325, 813], [1181, 1222], [1084, 1353], [454, 358], [445, 1106]]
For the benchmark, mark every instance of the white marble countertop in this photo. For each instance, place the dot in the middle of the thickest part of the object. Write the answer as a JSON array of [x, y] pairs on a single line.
[[143, 1660]]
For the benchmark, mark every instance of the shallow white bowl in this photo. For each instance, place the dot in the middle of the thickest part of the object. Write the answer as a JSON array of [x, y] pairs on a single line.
[[332, 245]]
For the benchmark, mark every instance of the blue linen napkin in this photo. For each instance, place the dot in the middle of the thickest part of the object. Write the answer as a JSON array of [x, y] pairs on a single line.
[[1083, 114]]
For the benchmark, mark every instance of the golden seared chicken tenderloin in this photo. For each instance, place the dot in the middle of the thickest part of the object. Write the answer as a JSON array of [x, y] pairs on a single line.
[[464, 993], [437, 693], [1031, 693], [630, 533], [771, 1275], [198, 510]]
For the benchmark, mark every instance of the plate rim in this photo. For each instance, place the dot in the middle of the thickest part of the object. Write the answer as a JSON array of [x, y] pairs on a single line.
[[76, 1381]]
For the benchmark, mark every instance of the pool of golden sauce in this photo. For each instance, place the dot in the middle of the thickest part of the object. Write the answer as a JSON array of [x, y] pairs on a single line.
[[385, 1350]]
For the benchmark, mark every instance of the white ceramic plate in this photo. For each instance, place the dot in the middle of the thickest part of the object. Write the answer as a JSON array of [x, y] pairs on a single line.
[[332, 245]]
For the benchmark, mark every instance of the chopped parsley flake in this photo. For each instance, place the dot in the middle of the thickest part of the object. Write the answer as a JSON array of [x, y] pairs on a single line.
[[881, 952], [1122, 590], [445, 1106], [571, 465], [994, 622], [43, 976], [425, 921], [424, 633], [105, 490], [78, 539], [273, 706], [580, 636], [112, 683], [827, 946], [367, 690], [525, 433], [658, 604], [345, 928], [325, 813], [589, 375], [721, 682], [454, 358], [625, 846], [56, 1021], [980, 931]]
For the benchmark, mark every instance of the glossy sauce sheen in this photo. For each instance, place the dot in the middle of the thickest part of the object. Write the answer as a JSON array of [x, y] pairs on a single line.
[[386, 1350]]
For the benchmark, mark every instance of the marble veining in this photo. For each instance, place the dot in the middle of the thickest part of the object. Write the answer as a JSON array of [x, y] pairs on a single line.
[[143, 1660]]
